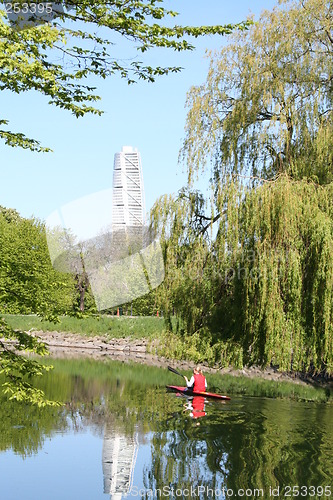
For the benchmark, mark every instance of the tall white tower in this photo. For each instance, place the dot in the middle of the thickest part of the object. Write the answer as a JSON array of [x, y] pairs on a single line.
[[128, 201]]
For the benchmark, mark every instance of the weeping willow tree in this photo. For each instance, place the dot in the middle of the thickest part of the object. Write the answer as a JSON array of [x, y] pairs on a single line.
[[281, 276], [261, 290], [266, 106], [186, 251], [253, 264]]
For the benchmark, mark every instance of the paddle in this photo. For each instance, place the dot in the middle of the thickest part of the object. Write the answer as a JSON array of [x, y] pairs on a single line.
[[175, 371]]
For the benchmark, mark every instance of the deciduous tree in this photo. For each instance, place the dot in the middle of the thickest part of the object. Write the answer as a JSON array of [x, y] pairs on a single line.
[[266, 106], [28, 284]]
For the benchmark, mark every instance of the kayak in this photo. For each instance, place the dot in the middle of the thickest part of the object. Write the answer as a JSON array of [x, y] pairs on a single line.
[[188, 392]]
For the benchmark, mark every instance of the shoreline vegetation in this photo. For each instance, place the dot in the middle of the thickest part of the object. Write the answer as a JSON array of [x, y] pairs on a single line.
[[145, 340]]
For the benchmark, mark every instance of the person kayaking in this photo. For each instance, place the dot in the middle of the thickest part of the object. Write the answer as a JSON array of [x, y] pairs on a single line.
[[198, 381]]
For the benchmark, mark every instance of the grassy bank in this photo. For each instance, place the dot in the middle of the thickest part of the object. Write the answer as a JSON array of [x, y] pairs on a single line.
[[176, 348], [159, 377], [259, 387], [111, 326]]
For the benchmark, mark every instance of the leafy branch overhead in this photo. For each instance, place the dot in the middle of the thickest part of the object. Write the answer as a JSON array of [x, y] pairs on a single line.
[[54, 58], [19, 370]]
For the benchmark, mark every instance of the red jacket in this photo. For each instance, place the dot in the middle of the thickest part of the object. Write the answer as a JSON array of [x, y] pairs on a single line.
[[199, 383]]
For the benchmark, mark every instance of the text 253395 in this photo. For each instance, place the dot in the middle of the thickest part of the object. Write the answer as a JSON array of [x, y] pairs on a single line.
[[307, 491], [29, 8]]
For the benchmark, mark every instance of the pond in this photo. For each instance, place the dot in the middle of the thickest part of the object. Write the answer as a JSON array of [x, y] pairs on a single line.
[[121, 434]]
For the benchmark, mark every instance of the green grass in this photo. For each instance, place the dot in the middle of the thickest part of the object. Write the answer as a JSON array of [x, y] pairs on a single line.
[[113, 327], [259, 387], [223, 384], [154, 328]]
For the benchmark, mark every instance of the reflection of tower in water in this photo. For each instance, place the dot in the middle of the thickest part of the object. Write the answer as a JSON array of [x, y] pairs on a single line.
[[119, 457]]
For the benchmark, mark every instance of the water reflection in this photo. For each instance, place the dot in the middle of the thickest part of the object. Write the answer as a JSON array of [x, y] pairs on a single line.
[[118, 458], [139, 439], [196, 407], [185, 462]]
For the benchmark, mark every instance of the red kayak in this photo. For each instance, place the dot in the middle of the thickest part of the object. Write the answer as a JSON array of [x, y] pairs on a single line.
[[188, 392]]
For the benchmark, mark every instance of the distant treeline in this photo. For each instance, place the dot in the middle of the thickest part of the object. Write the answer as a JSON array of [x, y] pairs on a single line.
[[30, 285]]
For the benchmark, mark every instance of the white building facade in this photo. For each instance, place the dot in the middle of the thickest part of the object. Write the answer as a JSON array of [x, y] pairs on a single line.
[[128, 200]]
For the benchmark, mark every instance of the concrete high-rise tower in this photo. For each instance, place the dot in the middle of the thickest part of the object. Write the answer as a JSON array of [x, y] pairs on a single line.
[[128, 200], [123, 259]]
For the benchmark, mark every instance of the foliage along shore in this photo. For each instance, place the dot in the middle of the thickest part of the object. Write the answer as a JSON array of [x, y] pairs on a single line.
[[146, 340]]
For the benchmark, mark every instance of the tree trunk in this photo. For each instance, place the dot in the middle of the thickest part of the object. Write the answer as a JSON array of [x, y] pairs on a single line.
[[82, 294]]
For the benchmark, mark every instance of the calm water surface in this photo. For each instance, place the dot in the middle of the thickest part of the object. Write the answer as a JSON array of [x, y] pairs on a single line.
[[120, 434]]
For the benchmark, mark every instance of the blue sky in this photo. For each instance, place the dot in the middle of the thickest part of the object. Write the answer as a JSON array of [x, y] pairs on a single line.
[[150, 117]]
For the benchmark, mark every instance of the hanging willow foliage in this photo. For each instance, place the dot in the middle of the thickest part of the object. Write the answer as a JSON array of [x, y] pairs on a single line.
[[264, 282], [266, 105], [282, 282], [187, 287]]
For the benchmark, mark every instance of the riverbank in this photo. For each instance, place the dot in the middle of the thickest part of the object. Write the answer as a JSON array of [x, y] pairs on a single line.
[[69, 345], [136, 339]]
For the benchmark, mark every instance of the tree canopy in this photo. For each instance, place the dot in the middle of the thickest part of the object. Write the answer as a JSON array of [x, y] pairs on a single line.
[[28, 282], [266, 106], [28, 285], [54, 58]]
